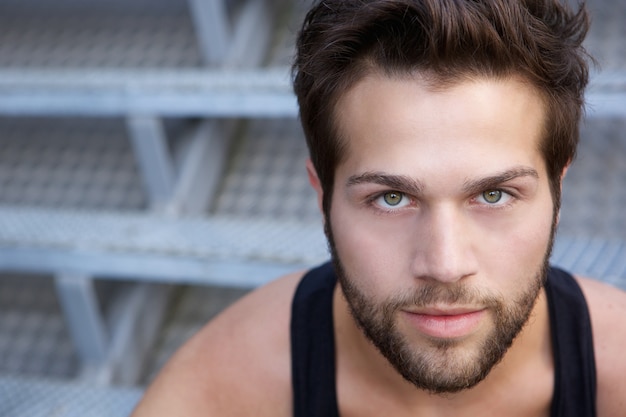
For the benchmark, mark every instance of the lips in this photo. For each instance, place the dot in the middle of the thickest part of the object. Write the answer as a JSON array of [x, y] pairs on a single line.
[[451, 323]]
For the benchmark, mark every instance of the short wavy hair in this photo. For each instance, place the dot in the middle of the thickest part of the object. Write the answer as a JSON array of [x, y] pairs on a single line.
[[341, 41]]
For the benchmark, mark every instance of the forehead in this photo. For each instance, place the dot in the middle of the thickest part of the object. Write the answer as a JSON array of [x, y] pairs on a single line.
[[405, 124]]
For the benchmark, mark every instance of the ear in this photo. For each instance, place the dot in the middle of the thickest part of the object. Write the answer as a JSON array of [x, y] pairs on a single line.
[[315, 183], [563, 173]]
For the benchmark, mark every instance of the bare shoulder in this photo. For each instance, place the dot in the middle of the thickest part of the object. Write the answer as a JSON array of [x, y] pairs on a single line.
[[237, 365], [607, 307]]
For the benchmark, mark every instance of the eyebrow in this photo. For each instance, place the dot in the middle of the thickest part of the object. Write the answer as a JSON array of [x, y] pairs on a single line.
[[412, 186], [396, 182], [493, 181]]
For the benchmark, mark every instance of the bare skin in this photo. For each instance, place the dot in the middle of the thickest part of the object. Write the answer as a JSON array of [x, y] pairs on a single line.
[[239, 364]]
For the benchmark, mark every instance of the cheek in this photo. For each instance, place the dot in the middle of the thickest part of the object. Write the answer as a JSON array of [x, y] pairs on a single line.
[[520, 251], [374, 254]]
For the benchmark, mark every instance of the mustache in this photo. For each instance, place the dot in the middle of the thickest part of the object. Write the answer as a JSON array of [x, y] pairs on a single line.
[[429, 295]]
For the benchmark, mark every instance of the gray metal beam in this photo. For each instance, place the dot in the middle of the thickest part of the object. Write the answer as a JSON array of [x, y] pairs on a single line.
[[150, 268], [180, 93], [202, 164], [153, 156], [136, 317], [82, 313], [606, 104], [213, 29], [606, 95], [252, 37]]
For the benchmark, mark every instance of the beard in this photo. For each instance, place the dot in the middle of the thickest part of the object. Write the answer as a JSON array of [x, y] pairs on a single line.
[[440, 366]]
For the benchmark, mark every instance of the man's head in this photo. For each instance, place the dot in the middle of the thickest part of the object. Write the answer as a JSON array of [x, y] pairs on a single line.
[[448, 41], [439, 131]]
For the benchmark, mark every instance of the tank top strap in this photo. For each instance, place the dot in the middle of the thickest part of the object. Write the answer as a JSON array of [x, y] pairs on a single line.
[[313, 345], [572, 344]]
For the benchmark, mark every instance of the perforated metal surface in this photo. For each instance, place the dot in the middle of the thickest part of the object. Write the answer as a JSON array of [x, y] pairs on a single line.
[[151, 233], [96, 7], [97, 34], [33, 337], [77, 163], [21, 397], [608, 31], [266, 178], [602, 259], [594, 190], [144, 246]]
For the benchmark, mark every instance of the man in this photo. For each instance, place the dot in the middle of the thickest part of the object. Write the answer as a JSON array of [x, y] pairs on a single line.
[[439, 133]]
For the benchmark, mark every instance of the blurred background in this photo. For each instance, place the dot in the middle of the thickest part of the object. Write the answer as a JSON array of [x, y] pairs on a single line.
[[152, 172]]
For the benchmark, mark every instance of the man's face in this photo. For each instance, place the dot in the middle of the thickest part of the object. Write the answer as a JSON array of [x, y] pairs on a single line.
[[441, 221]]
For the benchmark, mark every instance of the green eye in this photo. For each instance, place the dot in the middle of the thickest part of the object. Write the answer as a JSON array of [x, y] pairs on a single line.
[[492, 196], [393, 198]]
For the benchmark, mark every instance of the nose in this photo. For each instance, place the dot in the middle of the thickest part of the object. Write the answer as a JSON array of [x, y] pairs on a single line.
[[444, 249]]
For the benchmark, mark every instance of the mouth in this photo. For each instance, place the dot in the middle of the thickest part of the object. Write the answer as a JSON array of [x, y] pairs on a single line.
[[454, 323]]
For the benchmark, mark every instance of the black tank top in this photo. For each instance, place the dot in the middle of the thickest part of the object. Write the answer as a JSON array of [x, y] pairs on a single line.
[[313, 346]]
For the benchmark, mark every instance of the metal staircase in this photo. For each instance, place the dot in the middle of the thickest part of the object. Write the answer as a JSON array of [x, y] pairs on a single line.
[[151, 144]]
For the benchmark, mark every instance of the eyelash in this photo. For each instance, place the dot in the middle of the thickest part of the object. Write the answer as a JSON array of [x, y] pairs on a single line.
[[371, 201], [512, 197]]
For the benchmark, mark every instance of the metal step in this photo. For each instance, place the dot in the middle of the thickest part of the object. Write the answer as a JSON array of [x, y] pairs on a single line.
[[104, 60], [85, 163], [97, 34], [264, 196], [608, 30], [27, 397], [167, 93], [34, 340], [229, 251], [266, 177], [594, 191]]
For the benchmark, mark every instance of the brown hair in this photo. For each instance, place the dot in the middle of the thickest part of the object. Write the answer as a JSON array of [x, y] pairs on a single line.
[[341, 41]]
